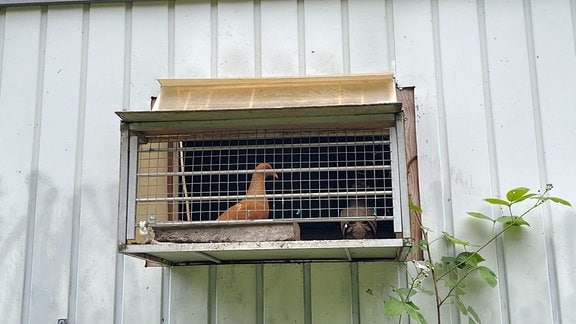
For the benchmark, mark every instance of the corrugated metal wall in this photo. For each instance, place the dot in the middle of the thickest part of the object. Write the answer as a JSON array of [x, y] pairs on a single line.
[[495, 109]]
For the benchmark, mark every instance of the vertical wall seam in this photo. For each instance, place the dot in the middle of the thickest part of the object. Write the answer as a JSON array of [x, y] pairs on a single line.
[[171, 38], [165, 294], [34, 165], [345, 17], [127, 55], [2, 37], [443, 151], [354, 293], [166, 277], [553, 287], [301, 37], [307, 291], [78, 165], [120, 265], [257, 38], [390, 35], [573, 17], [259, 291], [442, 124], [492, 155], [212, 294], [214, 38]]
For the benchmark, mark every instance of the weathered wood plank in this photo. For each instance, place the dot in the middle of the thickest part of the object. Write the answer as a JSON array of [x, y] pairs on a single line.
[[406, 97]]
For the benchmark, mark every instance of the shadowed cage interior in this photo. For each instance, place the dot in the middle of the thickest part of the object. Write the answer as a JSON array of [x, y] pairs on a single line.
[[195, 177]]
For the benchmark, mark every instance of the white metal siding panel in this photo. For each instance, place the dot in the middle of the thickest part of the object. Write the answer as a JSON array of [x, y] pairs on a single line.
[[147, 56], [368, 37], [17, 124], [331, 293], [555, 60], [493, 92], [279, 38], [94, 288], [375, 285], [464, 151], [56, 168], [192, 29], [236, 39], [416, 65], [189, 298], [283, 294], [513, 113], [505, 69], [148, 51], [236, 294], [323, 37]]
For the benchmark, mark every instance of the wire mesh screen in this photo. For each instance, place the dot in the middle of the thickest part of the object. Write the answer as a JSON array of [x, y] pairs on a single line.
[[309, 176]]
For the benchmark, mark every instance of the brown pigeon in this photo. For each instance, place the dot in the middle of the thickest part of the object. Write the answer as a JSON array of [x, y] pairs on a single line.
[[255, 205], [357, 208], [357, 229]]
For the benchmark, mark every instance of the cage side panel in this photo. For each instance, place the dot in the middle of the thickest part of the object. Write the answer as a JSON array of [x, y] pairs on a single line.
[[124, 185], [132, 188], [402, 184], [395, 180]]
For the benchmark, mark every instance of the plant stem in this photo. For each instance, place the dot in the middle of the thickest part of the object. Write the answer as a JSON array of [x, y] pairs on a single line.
[[432, 270], [449, 294], [539, 202]]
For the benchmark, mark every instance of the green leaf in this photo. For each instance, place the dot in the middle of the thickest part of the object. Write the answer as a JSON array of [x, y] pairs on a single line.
[[468, 258], [414, 313], [394, 307], [423, 244], [525, 197], [497, 201], [516, 193], [455, 240], [512, 220], [480, 216], [488, 276], [461, 307], [559, 201], [414, 208], [474, 315]]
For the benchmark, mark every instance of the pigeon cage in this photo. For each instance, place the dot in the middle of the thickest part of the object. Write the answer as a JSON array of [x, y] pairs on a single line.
[[306, 175]]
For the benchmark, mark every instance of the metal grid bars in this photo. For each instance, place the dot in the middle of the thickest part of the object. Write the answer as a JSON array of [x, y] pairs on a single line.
[[322, 175]]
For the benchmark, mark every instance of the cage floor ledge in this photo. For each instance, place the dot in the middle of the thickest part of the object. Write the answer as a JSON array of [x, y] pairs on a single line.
[[259, 252]]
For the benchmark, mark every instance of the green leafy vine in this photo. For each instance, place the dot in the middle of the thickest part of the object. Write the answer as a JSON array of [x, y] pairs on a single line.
[[447, 276]]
